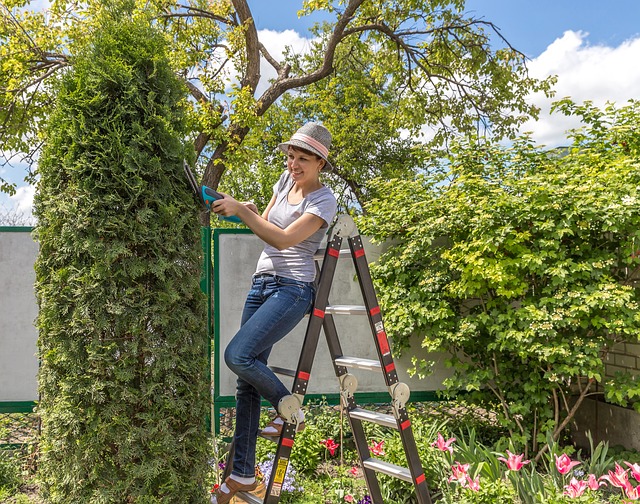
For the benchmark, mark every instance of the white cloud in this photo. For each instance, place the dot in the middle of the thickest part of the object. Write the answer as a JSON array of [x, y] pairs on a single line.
[[22, 200], [276, 43], [596, 73]]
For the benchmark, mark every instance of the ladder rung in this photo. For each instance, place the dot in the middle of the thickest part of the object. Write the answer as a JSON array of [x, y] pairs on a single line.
[[374, 417], [283, 371], [346, 310], [250, 498], [387, 468], [357, 362], [319, 255]]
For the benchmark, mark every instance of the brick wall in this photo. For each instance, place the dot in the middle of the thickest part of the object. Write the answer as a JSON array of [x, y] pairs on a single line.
[[623, 357]]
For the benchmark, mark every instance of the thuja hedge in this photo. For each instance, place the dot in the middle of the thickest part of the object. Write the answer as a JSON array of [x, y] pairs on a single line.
[[122, 321]]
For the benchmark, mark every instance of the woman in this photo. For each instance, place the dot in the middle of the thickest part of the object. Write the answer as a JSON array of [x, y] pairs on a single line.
[[282, 291]]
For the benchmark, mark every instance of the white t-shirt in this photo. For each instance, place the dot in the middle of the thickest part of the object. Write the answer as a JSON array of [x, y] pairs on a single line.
[[296, 262]]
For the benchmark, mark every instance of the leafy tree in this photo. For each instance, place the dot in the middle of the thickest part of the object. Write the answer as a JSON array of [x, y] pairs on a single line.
[[427, 62], [122, 339], [523, 264]]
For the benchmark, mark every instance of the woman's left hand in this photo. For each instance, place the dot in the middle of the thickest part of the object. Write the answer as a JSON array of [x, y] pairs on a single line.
[[226, 206]]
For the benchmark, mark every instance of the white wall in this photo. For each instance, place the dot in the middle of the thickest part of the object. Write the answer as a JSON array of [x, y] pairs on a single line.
[[236, 257], [18, 311]]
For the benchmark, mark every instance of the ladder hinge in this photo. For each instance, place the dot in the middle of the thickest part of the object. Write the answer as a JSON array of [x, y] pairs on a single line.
[[400, 393]]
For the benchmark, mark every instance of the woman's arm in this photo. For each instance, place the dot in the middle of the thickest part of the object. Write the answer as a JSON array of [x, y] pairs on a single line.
[[296, 232]]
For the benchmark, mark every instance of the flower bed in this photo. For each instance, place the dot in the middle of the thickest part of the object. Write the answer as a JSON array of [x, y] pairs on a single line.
[[459, 466]]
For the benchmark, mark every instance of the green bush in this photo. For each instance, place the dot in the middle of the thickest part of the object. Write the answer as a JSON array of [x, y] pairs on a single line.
[[9, 473], [122, 321]]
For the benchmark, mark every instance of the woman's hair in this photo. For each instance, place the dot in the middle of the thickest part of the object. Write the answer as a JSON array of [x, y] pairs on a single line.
[[306, 151]]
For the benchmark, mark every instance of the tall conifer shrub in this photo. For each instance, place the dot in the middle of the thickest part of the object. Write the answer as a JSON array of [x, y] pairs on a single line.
[[122, 323]]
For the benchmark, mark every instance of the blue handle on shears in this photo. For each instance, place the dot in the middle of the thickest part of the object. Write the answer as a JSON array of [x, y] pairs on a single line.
[[209, 196]]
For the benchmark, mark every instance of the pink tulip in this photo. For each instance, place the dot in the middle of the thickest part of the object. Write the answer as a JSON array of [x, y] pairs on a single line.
[[632, 492], [459, 472], [514, 462], [594, 483], [473, 484], [635, 470], [444, 445], [564, 464], [376, 448], [348, 498], [618, 478], [575, 488]]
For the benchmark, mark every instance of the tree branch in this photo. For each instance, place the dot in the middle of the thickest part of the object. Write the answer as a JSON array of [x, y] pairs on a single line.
[[201, 13], [284, 83], [251, 75]]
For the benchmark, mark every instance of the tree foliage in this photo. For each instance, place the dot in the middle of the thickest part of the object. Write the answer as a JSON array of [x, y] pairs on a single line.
[[522, 264], [418, 63], [122, 338]]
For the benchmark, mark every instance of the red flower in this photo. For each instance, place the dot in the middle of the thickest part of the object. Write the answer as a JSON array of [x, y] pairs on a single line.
[[354, 470], [330, 445], [376, 448]]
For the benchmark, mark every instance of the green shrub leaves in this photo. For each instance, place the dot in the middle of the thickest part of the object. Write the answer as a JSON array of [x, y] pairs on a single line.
[[122, 321]]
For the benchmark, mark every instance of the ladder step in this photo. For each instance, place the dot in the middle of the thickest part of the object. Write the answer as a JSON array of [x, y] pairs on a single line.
[[346, 310], [319, 255], [387, 468], [357, 362], [374, 417], [283, 371], [250, 498]]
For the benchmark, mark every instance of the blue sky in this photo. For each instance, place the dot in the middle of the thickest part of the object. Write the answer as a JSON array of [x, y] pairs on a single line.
[[529, 25], [592, 46]]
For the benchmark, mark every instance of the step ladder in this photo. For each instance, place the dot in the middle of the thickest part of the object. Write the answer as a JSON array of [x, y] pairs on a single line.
[[322, 318]]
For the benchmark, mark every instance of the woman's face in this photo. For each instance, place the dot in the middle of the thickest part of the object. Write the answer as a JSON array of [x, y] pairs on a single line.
[[303, 165]]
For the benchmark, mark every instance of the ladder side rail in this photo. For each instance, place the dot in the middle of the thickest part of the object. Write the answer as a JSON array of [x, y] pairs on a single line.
[[413, 458], [373, 310], [362, 447], [388, 366], [303, 371]]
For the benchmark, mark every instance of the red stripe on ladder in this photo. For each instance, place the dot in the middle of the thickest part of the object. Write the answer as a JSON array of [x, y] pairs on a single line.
[[318, 313], [359, 253], [405, 425], [333, 252], [383, 343], [374, 311], [288, 442], [420, 479], [303, 376]]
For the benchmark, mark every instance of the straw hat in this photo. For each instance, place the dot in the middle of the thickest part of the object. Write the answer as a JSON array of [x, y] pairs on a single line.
[[313, 137]]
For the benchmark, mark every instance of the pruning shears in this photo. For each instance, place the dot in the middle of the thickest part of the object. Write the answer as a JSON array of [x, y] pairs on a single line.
[[206, 195]]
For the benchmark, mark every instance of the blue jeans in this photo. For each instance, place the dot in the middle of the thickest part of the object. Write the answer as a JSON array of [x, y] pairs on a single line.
[[273, 307]]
